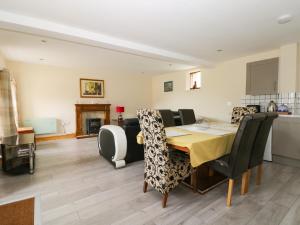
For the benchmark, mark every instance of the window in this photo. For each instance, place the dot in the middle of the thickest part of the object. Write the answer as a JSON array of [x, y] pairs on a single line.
[[195, 80]]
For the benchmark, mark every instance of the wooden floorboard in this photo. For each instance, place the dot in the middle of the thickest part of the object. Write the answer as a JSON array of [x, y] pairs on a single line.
[[78, 187]]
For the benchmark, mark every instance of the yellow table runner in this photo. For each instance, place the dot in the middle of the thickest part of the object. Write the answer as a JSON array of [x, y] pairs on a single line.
[[202, 147]]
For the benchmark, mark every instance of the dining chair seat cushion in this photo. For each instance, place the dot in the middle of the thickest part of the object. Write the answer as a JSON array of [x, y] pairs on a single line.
[[181, 164], [179, 167]]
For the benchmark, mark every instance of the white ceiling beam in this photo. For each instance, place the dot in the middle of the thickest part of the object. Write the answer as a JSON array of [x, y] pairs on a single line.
[[15, 22]]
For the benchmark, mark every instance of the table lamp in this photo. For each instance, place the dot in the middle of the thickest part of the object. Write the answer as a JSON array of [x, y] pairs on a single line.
[[120, 110]]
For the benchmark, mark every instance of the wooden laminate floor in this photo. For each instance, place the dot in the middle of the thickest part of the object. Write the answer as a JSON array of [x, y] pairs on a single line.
[[77, 186]]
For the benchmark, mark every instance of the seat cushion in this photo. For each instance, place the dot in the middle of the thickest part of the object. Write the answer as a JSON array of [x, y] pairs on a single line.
[[180, 164]]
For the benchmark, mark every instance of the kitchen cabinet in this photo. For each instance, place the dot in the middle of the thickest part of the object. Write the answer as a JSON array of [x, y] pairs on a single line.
[[262, 77], [286, 141]]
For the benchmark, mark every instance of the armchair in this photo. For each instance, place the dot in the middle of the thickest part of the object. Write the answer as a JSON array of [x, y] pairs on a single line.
[[118, 144]]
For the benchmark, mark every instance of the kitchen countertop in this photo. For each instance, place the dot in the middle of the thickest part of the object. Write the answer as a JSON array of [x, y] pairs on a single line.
[[290, 116]]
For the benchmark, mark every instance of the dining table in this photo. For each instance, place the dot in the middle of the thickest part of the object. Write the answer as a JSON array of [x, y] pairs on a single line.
[[203, 142]]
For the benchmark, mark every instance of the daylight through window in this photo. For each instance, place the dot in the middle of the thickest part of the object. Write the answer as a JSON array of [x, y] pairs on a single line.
[[195, 80]]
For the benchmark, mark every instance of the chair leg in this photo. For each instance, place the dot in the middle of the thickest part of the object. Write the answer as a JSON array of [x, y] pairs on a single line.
[[164, 200], [248, 177], [249, 173], [245, 183], [145, 186], [259, 174], [230, 190], [194, 178]]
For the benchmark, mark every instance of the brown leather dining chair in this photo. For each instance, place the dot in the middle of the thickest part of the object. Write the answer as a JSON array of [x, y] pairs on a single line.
[[167, 117], [258, 150], [236, 163], [187, 116]]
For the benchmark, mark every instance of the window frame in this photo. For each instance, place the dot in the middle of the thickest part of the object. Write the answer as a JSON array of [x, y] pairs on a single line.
[[191, 77]]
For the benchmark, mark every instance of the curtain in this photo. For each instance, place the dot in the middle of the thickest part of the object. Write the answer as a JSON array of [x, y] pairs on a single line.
[[14, 99], [7, 117]]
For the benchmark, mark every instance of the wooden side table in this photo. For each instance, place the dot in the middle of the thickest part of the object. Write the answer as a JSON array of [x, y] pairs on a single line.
[[27, 130]]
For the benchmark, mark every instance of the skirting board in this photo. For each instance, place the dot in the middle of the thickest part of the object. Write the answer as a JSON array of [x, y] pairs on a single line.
[[286, 161], [55, 137]]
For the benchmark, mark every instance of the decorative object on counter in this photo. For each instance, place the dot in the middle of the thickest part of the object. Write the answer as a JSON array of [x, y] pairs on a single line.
[[291, 99], [168, 86], [272, 107], [91, 88], [283, 109], [120, 110]]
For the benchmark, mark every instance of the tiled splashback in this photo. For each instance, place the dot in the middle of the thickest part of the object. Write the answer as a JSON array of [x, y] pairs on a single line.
[[292, 100]]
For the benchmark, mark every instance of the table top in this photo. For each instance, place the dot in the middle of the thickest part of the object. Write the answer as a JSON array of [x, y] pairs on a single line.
[[20, 139]]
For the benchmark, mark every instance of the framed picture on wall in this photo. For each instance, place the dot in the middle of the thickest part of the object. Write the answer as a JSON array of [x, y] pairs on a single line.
[[168, 86], [91, 88]]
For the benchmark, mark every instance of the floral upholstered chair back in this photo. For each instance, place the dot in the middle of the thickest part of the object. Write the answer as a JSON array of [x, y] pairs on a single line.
[[239, 112], [155, 147]]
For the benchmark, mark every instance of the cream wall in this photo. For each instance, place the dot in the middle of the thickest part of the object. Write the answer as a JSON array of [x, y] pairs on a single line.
[[298, 68], [288, 68], [222, 88], [47, 91], [2, 61]]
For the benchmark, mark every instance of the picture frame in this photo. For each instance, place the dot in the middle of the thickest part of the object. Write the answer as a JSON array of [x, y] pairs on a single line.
[[168, 86], [91, 88]]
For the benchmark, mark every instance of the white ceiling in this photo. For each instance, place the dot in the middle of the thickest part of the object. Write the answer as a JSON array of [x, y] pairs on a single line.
[[179, 31], [30, 48]]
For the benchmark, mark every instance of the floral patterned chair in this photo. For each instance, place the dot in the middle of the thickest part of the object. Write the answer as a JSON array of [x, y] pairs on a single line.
[[164, 169], [239, 112]]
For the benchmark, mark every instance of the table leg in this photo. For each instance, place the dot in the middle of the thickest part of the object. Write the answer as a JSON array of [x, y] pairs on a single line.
[[31, 159], [194, 180]]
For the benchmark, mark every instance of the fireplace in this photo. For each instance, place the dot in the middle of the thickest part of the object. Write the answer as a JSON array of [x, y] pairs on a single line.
[[82, 108], [93, 125]]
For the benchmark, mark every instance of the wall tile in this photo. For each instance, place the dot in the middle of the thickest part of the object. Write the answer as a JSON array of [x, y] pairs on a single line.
[[291, 99]]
